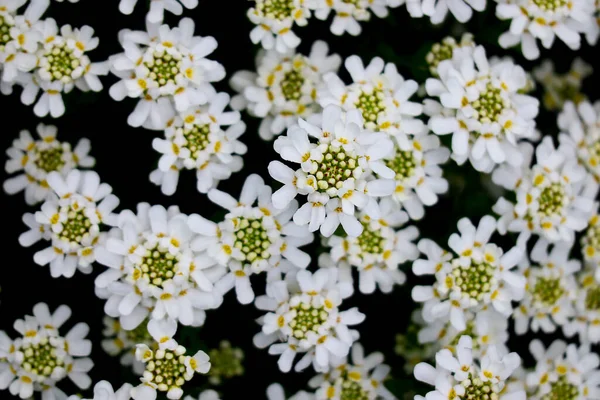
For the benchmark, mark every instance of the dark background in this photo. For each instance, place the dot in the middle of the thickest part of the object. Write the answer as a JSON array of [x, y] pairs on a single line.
[[124, 159]]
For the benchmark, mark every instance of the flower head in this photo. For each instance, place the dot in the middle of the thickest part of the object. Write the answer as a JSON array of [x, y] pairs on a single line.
[[559, 88], [586, 321], [226, 362]]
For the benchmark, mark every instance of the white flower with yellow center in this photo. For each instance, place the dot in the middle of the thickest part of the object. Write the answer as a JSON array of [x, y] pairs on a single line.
[[348, 13], [586, 322], [104, 390], [71, 220], [198, 139], [33, 159], [304, 318], [377, 252], [550, 291], [480, 105], [167, 370], [580, 134], [121, 342], [563, 372], [274, 20], [358, 377], [251, 239], [42, 356], [379, 92], [478, 276], [339, 170], [167, 69], [153, 273], [590, 243], [158, 8], [558, 88], [284, 87], [552, 198], [463, 376], [544, 20]]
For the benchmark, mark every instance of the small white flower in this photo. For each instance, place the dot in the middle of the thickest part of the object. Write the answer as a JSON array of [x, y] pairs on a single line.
[[477, 276], [550, 290], [561, 370], [379, 92], [174, 73], [33, 159], [104, 390], [543, 20], [341, 164], [559, 88], [304, 318], [347, 14], [251, 239], [377, 252], [158, 7], [437, 11], [120, 342], [480, 105], [162, 331], [71, 220], [586, 321], [445, 49], [197, 140], [284, 87]]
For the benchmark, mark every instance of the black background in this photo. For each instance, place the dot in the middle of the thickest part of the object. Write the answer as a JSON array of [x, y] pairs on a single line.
[[124, 159]]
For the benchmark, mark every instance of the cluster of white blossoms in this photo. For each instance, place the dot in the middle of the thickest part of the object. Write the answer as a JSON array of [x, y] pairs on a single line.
[[275, 19], [166, 69], [559, 88], [284, 87], [32, 159], [41, 57], [71, 221], [41, 357]]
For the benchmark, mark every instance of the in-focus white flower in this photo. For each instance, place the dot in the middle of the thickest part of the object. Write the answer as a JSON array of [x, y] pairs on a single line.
[[379, 92], [71, 220], [173, 75], [284, 87], [103, 390], [377, 252], [158, 7], [463, 376], [586, 322], [480, 105], [197, 140], [42, 357], [33, 159], [304, 318], [360, 377], [552, 198], [477, 276], [252, 238], [544, 20], [444, 50], [339, 170], [559, 88], [167, 370], [120, 342], [550, 291], [274, 20], [348, 13], [562, 371]]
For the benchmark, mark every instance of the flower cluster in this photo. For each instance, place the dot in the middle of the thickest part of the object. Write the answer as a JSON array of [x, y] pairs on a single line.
[[559, 88]]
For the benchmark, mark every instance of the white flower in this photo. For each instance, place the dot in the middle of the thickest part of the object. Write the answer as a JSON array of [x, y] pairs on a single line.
[[482, 109], [33, 159], [559, 88], [43, 357], [274, 20], [158, 7], [564, 371], [162, 331], [552, 198], [120, 342], [379, 92], [197, 140], [550, 290], [361, 377], [338, 167], [304, 317], [437, 11], [580, 134], [174, 74], [275, 392], [104, 390], [586, 322], [284, 87], [347, 14], [153, 272], [445, 49], [463, 376], [377, 252], [477, 276], [251, 239], [71, 220], [545, 20], [167, 370]]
